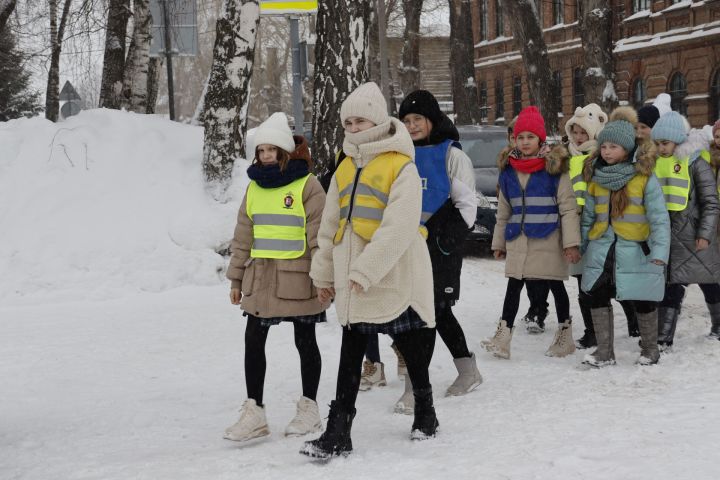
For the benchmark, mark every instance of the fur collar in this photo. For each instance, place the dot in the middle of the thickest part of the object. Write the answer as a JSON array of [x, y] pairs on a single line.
[[696, 141], [557, 160]]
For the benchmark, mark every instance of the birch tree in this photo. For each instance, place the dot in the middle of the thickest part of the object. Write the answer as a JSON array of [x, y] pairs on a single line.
[[115, 50], [135, 76], [341, 61], [6, 9], [528, 37], [596, 22], [227, 94], [57, 34], [462, 69]]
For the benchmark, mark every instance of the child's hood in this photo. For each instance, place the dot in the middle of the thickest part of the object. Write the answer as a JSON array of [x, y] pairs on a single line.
[[696, 141]]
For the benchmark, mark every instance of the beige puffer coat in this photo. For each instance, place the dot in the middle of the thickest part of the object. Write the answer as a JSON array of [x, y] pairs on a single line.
[[278, 288], [394, 267], [540, 258]]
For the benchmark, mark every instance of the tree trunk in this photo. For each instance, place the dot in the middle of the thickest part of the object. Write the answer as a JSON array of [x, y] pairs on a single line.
[[273, 83], [596, 21], [154, 69], [462, 69], [114, 60], [227, 95], [6, 9], [135, 77], [341, 61], [409, 69], [529, 40], [57, 33]]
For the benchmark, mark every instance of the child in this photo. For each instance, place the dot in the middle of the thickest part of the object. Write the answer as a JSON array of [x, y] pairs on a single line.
[[691, 197], [537, 229], [647, 115], [275, 238], [449, 212], [626, 238], [373, 259]]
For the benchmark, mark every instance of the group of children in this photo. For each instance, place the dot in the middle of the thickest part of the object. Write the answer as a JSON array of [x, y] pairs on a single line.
[[384, 242]]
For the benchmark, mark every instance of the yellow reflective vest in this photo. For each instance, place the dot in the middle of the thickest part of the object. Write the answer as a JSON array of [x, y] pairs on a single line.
[[633, 224], [364, 192], [674, 178], [278, 218], [577, 163]]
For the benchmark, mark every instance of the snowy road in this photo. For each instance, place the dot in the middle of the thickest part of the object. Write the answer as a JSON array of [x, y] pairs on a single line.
[[143, 386]]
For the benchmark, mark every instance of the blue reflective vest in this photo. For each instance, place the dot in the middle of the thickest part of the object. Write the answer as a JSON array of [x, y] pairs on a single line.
[[534, 210], [431, 164]]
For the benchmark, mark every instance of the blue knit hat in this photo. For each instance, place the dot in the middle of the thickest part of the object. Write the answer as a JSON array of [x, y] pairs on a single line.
[[620, 132], [669, 127]]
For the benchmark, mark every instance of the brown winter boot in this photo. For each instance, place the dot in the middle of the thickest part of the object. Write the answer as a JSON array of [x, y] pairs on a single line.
[[562, 345], [604, 354], [648, 325], [499, 344]]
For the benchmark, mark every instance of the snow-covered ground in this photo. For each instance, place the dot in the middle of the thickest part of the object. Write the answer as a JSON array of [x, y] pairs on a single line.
[[121, 356]]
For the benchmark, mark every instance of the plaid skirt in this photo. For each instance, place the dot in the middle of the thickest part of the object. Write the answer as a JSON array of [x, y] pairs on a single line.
[[408, 320], [306, 319]]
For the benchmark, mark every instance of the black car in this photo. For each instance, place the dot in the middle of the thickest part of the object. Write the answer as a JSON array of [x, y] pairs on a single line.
[[482, 144]]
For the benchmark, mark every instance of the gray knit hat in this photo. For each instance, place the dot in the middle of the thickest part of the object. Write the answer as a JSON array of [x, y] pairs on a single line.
[[620, 132], [365, 101], [670, 127]]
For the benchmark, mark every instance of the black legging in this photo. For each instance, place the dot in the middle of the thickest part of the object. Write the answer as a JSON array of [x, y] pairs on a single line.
[[416, 346], [537, 293], [512, 299], [255, 363], [675, 292], [450, 330]]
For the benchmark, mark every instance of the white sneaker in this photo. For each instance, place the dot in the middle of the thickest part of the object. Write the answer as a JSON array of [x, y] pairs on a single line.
[[307, 419], [373, 375], [252, 423]]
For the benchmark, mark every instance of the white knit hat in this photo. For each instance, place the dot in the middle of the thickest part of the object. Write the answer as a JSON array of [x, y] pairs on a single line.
[[365, 101], [590, 117], [663, 103], [275, 131]]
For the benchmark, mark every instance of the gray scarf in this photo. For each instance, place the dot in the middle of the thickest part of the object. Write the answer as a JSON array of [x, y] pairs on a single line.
[[614, 177]]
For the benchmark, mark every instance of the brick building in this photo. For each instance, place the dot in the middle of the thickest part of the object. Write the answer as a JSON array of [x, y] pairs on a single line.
[[668, 46]]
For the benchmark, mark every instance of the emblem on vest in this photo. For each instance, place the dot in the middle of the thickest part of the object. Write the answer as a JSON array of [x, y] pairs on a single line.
[[424, 181], [677, 168], [288, 200]]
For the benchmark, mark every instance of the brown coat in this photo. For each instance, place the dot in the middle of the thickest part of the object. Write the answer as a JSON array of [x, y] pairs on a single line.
[[540, 258], [271, 287]]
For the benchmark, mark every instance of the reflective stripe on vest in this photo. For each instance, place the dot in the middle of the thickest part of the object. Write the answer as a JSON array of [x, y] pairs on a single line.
[[534, 210], [577, 163], [674, 178], [278, 217], [633, 224], [364, 193], [431, 162]]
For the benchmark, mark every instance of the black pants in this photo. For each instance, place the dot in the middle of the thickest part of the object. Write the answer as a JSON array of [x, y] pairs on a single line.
[[255, 364], [416, 346], [372, 352], [537, 292], [512, 299], [601, 297], [450, 330], [675, 292]]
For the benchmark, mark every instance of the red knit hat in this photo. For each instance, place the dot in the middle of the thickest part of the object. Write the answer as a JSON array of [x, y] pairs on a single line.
[[530, 120]]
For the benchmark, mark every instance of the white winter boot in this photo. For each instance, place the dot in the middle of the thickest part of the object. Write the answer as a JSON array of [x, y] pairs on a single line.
[[563, 344], [406, 403], [468, 378], [252, 423], [307, 419], [499, 344], [373, 375]]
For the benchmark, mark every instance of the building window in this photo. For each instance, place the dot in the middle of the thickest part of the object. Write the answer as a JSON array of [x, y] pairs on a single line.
[[715, 97], [499, 100], [678, 92], [499, 19], [578, 89], [640, 5], [517, 94], [639, 93], [557, 87], [483, 102], [484, 20], [558, 11]]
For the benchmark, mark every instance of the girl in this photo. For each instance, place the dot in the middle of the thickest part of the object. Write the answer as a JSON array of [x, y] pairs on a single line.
[[537, 229], [691, 197], [626, 238], [275, 238], [373, 260], [647, 115], [449, 212]]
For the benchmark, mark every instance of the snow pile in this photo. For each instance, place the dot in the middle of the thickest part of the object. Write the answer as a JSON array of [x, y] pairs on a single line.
[[107, 201]]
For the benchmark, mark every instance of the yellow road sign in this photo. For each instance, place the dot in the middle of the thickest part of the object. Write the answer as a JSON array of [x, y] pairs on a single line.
[[282, 7]]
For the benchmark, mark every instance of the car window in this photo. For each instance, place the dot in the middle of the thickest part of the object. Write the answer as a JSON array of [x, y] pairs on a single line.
[[483, 151]]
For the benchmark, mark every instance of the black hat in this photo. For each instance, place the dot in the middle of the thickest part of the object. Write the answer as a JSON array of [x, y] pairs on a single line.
[[423, 103], [648, 115]]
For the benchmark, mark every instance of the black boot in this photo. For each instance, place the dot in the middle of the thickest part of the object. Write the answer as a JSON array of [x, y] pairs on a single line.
[[667, 322], [425, 424], [588, 339], [336, 438], [632, 321]]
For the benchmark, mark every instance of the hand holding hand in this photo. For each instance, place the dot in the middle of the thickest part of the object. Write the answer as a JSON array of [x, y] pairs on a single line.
[[499, 254], [325, 294], [235, 296], [572, 255]]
